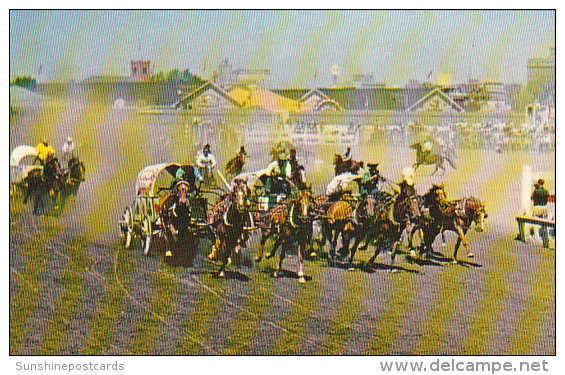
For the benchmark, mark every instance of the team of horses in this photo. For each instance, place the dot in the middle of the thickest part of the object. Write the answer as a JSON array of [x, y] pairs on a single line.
[[52, 184], [379, 219]]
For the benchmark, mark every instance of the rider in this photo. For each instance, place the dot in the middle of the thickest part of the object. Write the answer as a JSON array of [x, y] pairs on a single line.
[[339, 186], [43, 151], [68, 149], [188, 173], [347, 154], [371, 180], [278, 171], [206, 162]]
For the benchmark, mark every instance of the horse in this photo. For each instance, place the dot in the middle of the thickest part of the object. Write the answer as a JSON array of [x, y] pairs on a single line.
[[429, 159], [455, 216], [293, 223], [392, 218], [176, 216], [43, 182], [362, 219], [235, 165], [72, 178], [337, 217], [349, 165], [230, 228]]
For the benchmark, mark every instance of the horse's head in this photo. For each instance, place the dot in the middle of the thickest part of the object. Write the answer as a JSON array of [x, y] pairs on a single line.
[[438, 193], [337, 159], [479, 213], [305, 201], [240, 194], [181, 190], [76, 169]]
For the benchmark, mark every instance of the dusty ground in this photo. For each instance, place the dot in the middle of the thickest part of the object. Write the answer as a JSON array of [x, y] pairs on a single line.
[[74, 289]]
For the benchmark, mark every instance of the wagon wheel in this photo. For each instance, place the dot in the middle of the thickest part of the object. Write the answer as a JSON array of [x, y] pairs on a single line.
[[145, 227], [126, 226]]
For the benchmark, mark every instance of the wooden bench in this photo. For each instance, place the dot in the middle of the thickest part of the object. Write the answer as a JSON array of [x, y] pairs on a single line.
[[545, 225]]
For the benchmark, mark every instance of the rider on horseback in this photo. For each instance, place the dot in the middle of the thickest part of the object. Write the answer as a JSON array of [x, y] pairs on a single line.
[[43, 151], [279, 171], [371, 180], [68, 150]]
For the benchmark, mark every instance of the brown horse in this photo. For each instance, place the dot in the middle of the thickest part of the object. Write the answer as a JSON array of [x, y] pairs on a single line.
[[231, 223], [349, 165], [456, 216], [392, 217], [235, 165], [292, 220], [176, 215], [338, 217], [362, 221], [423, 158]]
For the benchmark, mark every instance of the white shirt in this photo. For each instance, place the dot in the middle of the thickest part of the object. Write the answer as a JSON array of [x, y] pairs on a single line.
[[203, 160], [340, 183], [274, 167], [68, 147]]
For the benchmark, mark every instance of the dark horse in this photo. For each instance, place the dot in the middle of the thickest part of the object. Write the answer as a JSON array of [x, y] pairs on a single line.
[[235, 165], [392, 218], [455, 216], [292, 220], [231, 222], [423, 158], [349, 165], [72, 178], [43, 183], [360, 222], [176, 218]]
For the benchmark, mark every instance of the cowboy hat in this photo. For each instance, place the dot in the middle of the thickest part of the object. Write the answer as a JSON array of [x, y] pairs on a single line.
[[408, 175]]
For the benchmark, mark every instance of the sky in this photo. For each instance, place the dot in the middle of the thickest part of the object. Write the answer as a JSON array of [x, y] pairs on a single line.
[[298, 47]]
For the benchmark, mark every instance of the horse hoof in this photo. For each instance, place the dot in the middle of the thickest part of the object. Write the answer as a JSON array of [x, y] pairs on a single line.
[[471, 255], [412, 253], [454, 261], [351, 269], [269, 255], [222, 274], [168, 253], [313, 254], [258, 259], [394, 270], [276, 274], [302, 280], [211, 257]]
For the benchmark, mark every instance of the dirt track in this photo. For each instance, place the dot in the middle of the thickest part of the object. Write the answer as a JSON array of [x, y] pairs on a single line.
[[75, 290]]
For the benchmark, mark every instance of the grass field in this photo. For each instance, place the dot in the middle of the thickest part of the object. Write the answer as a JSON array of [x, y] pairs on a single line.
[[74, 289]]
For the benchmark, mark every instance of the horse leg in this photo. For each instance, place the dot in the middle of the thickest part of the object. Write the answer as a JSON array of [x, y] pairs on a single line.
[[301, 248], [461, 233], [215, 248], [278, 243], [345, 239], [264, 236], [281, 256], [358, 240], [225, 257], [392, 256], [443, 243], [377, 251]]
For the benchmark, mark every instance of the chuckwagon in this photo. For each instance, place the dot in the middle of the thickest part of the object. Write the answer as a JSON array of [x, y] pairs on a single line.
[[21, 163], [153, 185]]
